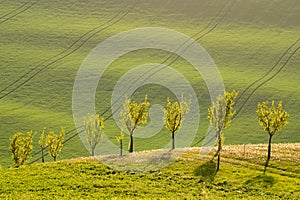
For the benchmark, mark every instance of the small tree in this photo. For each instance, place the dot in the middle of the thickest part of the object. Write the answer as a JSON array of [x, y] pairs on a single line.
[[43, 144], [174, 116], [120, 140], [271, 119], [94, 126], [134, 115], [55, 143], [219, 116], [21, 147]]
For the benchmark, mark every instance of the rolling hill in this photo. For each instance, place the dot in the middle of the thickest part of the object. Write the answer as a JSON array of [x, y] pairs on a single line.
[[189, 177], [254, 44]]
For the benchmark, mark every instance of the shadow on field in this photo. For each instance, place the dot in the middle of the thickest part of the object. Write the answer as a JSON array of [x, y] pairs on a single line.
[[261, 180], [206, 171]]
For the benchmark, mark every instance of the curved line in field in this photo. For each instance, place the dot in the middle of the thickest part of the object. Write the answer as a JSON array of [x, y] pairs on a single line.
[[201, 36], [73, 136], [65, 51], [59, 54], [16, 11], [102, 28], [260, 85], [177, 56], [171, 55], [272, 68], [266, 81]]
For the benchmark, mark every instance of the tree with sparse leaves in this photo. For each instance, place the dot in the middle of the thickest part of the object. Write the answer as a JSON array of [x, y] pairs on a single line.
[[134, 115], [43, 144], [174, 116], [271, 119], [120, 139], [21, 147], [94, 126], [219, 116], [55, 143]]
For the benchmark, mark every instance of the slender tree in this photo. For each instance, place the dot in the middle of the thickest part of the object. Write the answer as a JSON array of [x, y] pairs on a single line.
[[134, 115], [94, 126], [55, 143], [43, 144], [219, 116], [174, 116], [271, 119], [120, 139], [21, 147]]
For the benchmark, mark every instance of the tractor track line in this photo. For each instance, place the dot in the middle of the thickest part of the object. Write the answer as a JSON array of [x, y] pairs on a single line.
[[71, 52], [16, 11], [218, 21], [266, 81], [74, 130], [267, 73], [207, 26], [61, 53], [269, 79]]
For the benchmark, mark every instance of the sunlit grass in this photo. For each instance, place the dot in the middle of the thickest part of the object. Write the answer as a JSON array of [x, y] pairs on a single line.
[[244, 48], [186, 177]]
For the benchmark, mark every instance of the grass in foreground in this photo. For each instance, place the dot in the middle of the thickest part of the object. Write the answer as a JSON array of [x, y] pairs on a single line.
[[189, 177]]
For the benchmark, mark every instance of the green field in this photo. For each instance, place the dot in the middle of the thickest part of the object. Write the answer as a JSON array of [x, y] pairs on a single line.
[[43, 43], [189, 177]]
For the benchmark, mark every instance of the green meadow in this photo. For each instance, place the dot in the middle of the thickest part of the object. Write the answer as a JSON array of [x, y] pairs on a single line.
[[188, 177], [43, 44]]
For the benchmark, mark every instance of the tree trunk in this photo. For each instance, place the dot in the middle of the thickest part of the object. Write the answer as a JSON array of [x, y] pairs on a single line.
[[219, 151], [269, 147], [218, 165], [121, 146], [93, 151], [131, 144], [269, 153], [43, 160], [173, 140], [54, 158]]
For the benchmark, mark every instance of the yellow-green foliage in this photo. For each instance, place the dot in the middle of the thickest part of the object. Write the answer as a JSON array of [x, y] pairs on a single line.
[[94, 126], [121, 137], [221, 111], [219, 116], [272, 118], [174, 114], [21, 147], [55, 143], [134, 114], [43, 140], [43, 143]]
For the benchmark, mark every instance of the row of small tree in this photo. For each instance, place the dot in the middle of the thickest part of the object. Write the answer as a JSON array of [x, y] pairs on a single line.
[[134, 115], [21, 145], [271, 118]]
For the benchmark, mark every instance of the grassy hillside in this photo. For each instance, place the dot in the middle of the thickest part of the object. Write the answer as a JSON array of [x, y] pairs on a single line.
[[189, 177], [43, 43]]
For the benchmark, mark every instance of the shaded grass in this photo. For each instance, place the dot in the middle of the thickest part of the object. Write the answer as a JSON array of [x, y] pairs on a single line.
[[244, 46], [89, 178]]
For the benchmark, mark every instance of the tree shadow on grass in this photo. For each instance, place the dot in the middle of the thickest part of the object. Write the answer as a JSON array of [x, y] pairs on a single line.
[[261, 180], [206, 171]]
